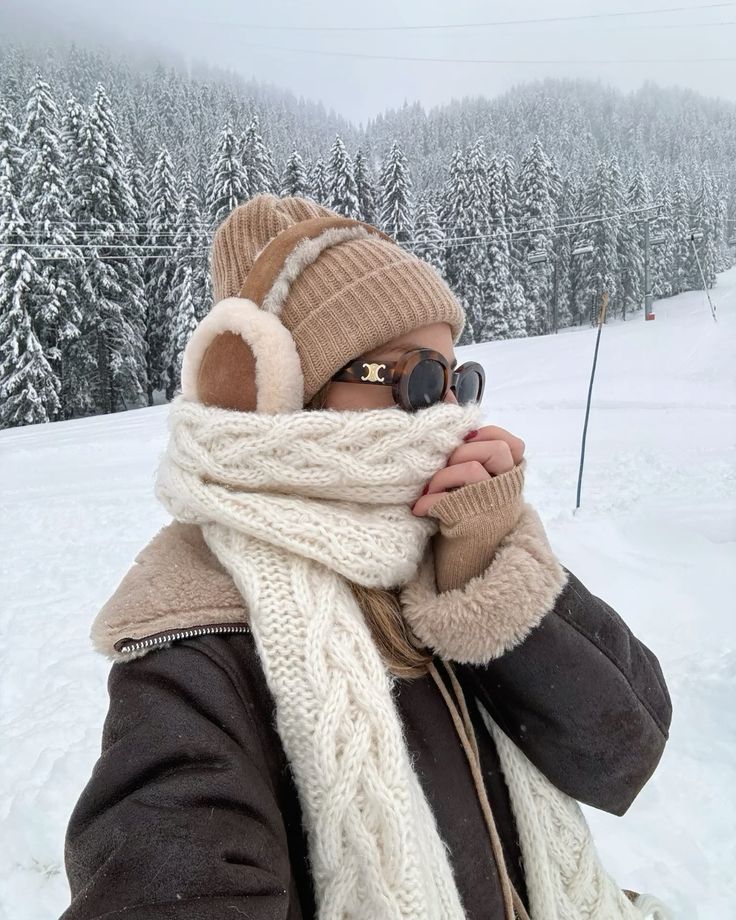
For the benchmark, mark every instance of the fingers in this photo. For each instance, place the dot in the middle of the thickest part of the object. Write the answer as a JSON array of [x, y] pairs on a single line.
[[495, 456], [495, 433], [491, 452], [450, 477]]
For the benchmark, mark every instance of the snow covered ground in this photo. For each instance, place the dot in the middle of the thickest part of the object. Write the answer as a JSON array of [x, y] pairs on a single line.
[[656, 537]]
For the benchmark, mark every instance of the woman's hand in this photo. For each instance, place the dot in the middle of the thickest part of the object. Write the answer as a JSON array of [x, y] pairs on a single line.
[[487, 452]]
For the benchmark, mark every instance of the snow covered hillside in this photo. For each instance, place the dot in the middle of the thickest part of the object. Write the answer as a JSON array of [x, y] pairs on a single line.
[[656, 537]]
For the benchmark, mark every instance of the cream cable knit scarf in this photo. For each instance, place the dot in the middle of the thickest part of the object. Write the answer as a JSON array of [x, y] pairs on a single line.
[[292, 505]]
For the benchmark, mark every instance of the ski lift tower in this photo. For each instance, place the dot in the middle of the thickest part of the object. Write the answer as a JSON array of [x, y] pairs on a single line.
[[649, 241], [582, 249], [540, 256]]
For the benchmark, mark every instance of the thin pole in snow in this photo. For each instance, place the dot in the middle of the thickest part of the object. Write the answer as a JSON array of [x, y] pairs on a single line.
[[694, 236], [601, 319]]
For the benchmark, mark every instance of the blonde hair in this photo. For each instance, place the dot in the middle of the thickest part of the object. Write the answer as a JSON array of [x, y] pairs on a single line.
[[381, 609]]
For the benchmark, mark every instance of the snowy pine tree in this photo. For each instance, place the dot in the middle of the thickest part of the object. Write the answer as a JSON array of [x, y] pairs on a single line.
[[111, 323], [135, 230], [631, 243], [662, 254], [537, 216], [140, 189], [578, 305], [80, 360], [73, 128], [508, 203], [342, 190], [602, 204], [517, 311], [496, 320], [29, 388], [428, 236], [55, 302], [160, 266], [228, 185], [475, 273], [723, 254], [257, 160], [395, 190], [294, 179], [681, 226], [191, 252], [562, 252], [454, 194], [317, 182], [10, 152], [185, 319], [366, 190], [704, 219]]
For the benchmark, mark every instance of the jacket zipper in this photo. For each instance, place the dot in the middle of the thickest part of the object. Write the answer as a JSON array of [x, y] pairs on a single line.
[[128, 645]]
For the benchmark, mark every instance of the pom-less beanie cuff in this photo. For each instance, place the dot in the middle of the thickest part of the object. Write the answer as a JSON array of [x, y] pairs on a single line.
[[399, 295]]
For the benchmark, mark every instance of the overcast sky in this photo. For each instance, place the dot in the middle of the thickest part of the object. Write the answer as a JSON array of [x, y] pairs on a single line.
[[226, 33]]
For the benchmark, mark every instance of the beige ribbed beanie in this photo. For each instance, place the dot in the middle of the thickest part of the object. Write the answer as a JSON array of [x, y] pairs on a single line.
[[341, 294]]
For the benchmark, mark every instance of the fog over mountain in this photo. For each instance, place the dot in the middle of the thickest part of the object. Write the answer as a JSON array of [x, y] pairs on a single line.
[[300, 46]]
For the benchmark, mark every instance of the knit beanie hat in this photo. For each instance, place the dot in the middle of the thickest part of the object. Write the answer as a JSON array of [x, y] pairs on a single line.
[[299, 292]]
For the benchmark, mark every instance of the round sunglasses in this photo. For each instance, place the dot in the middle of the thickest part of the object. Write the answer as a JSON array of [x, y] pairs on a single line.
[[421, 377]]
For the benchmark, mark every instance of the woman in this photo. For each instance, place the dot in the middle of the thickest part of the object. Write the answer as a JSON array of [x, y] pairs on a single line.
[[351, 679]]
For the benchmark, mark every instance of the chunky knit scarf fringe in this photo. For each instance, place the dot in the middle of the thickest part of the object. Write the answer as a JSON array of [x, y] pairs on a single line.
[[293, 505]]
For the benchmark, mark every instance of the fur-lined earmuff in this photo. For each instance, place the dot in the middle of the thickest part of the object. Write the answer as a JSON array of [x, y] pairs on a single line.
[[241, 357]]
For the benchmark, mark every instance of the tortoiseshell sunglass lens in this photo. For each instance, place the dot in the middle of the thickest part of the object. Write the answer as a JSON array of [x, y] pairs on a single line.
[[469, 386], [426, 384]]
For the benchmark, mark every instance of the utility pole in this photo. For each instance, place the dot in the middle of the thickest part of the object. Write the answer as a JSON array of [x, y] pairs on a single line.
[[647, 273]]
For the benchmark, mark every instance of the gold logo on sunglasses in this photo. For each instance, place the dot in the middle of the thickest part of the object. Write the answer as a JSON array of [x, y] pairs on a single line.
[[372, 373]]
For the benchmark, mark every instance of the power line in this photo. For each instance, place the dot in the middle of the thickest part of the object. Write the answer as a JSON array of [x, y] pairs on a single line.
[[473, 25], [87, 235], [571, 218], [91, 246], [676, 25], [109, 258], [562, 229], [496, 61]]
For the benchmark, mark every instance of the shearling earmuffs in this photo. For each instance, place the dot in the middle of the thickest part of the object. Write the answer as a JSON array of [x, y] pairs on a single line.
[[241, 356]]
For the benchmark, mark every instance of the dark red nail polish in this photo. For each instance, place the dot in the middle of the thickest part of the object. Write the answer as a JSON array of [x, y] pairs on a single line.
[[470, 435]]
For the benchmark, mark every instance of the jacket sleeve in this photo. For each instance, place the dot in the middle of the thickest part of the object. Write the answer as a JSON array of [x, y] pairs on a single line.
[[583, 698], [182, 814], [556, 666]]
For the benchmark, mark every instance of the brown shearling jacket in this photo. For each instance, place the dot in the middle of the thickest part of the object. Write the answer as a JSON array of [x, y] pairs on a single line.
[[191, 810]]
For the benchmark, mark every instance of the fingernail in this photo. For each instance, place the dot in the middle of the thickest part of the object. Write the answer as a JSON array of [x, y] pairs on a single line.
[[425, 489], [470, 435]]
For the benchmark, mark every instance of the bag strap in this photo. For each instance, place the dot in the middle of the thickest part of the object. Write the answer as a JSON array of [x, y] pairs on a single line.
[[514, 907]]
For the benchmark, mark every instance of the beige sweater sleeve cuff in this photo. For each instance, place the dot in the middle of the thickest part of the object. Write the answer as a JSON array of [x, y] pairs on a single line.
[[497, 609], [473, 521]]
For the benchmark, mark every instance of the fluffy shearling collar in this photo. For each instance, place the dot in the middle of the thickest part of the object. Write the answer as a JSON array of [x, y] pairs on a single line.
[[176, 584], [177, 588]]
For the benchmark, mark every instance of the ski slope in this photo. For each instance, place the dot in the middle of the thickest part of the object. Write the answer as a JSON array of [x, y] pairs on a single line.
[[656, 537]]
